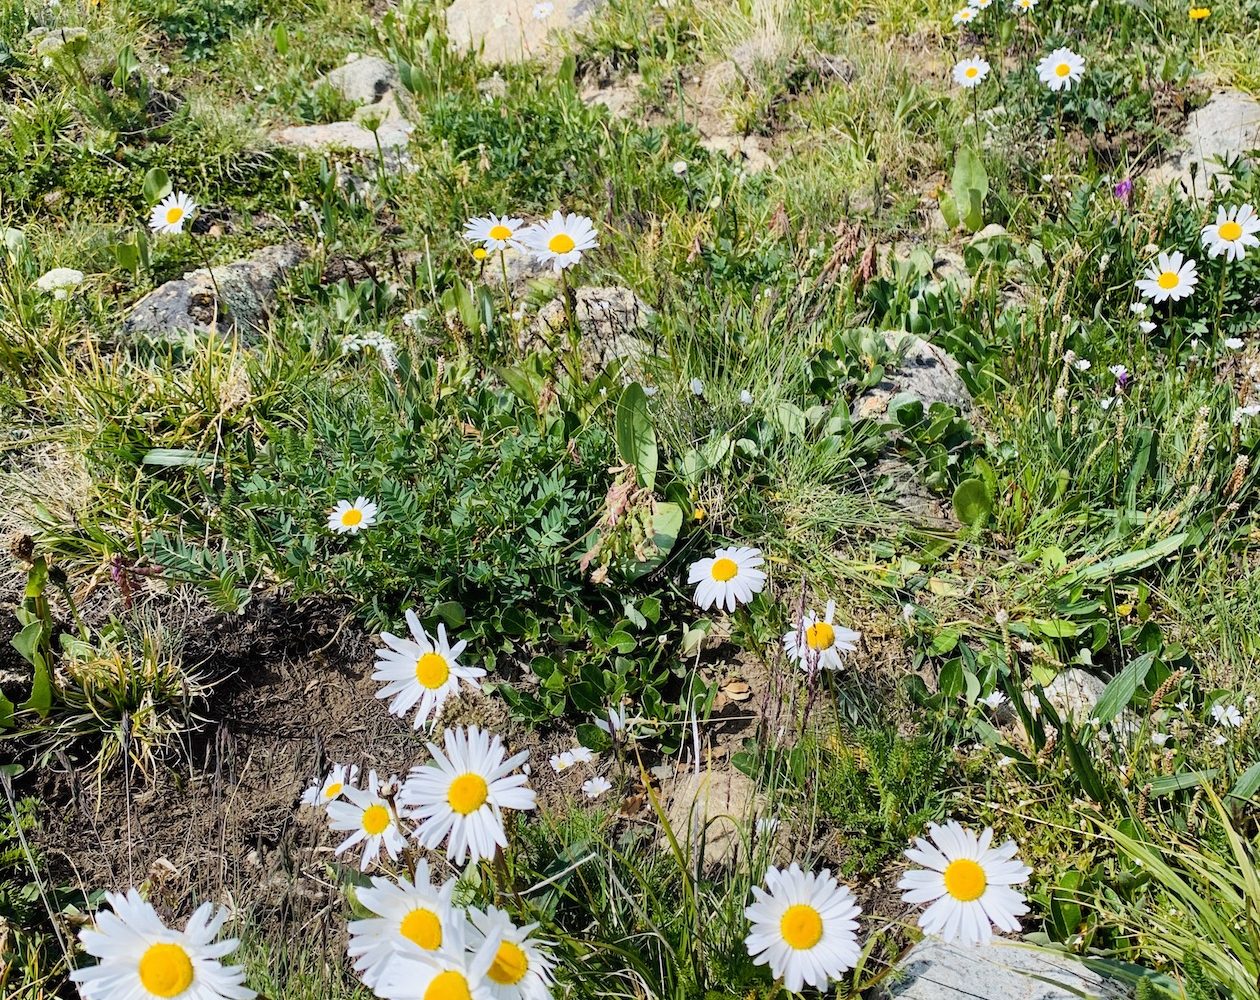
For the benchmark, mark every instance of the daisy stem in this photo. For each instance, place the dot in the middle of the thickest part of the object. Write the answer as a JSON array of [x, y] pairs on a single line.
[[507, 288], [214, 282], [575, 352], [1220, 305], [975, 115]]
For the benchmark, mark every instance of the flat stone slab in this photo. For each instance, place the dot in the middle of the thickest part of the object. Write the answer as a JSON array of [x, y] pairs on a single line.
[[1227, 126], [510, 31], [1004, 970]]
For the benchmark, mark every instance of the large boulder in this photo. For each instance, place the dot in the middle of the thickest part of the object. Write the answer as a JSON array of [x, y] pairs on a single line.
[[1228, 126], [370, 82], [707, 811], [609, 320], [240, 294], [934, 970], [510, 31], [927, 372], [364, 80]]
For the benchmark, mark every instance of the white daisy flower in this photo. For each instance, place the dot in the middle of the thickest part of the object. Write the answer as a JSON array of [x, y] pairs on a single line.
[[1023, 6], [1060, 69], [980, 4], [1232, 233], [560, 240], [349, 518], [1172, 276], [368, 819], [494, 232], [971, 72], [1227, 715], [448, 974], [964, 15], [140, 958], [170, 214], [522, 966], [320, 793], [969, 882], [615, 723], [804, 927], [816, 643], [60, 281], [460, 795], [731, 576], [593, 788], [411, 918], [421, 672]]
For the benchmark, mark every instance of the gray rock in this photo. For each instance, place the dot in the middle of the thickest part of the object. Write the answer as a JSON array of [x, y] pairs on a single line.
[[926, 371], [608, 320], [1004, 970], [708, 810], [1074, 693], [1227, 126], [394, 133], [506, 31], [364, 80], [909, 494], [245, 294]]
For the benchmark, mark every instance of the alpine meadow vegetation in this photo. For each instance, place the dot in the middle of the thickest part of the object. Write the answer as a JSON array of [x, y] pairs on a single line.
[[655, 499]]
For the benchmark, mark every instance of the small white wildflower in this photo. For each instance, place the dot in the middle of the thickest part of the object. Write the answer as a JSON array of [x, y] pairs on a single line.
[[746, 397], [1159, 739], [679, 167], [593, 788], [1083, 364], [1233, 343], [697, 387], [1227, 715]]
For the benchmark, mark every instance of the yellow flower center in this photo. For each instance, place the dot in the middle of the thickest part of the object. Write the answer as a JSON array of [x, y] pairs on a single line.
[[972, 71], [174, 214], [333, 790], [422, 928], [449, 985], [1169, 279], [801, 927], [1230, 230], [1063, 69], [561, 243], [166, 970], [432, 670], [965, 880], [480, 253], [375, 820], [352, 517], [510, 965], [467, 793], [500, 233], [724, 569], [820, 636]]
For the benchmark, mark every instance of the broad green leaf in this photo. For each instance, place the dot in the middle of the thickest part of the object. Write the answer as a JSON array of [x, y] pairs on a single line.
[[636, 437], [1131, 562], [1121, 689], [1246, 787], [1054, 628], [1169, 783], [972, 502], [593, 738], [176, 456], [156, 185], [667, 519]]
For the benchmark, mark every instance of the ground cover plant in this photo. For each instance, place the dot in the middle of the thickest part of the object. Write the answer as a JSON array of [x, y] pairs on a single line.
[[651, 498]]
